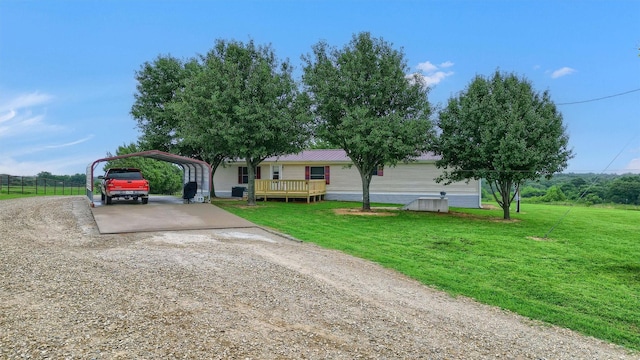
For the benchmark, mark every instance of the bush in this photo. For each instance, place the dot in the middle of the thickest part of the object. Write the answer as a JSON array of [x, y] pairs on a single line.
[[530, 191], [554, 194]]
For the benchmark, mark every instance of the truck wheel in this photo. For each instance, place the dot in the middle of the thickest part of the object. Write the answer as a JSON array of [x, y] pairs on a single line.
[[145, 200], [109, 200]]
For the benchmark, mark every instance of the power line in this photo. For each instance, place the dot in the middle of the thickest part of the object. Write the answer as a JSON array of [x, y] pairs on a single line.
[[600, 98]]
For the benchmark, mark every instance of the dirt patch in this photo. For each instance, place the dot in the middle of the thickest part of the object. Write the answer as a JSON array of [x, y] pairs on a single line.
[[478, 217], [490, 207], [374, 212], [536, 238]]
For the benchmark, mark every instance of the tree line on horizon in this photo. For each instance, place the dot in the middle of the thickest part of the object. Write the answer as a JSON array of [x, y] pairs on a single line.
[[75, 179], [589, 189]]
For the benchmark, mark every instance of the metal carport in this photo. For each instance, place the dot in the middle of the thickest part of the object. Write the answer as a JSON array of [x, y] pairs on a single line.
[[193, 170]]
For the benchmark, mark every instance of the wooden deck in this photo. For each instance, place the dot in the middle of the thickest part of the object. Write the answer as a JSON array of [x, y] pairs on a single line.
[[291, 189]]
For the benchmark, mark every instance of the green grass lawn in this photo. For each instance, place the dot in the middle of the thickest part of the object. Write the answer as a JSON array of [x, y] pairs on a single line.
[[17, 191], [585, 275]]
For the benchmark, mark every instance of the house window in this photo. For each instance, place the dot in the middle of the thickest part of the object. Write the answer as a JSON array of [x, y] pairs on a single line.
[[317, 173], [378, 171], [243, 174], [275, 172]]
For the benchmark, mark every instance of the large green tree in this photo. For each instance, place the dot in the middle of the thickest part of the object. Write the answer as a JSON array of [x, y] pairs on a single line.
[[365, 103], [159, 82], [500, 129], [245, 103], [163, 123]]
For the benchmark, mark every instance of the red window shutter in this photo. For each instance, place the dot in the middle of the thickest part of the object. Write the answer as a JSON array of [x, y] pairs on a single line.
[[258, 172], [239, 174], [307, 171], [327, 176]]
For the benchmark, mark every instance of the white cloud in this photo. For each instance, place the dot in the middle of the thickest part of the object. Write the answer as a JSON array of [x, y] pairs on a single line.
[[633, 166], [8, 116], [427, 67], [21, 125], [25, 101], [446, 64], [80, 141], [24, 114], [432, 74], [562, 72], [436, 77], [24, 150]]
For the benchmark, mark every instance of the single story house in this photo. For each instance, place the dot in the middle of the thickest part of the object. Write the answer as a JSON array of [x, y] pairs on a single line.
[[401, 184]]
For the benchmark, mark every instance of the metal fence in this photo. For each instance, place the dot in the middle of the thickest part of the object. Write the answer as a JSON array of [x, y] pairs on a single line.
[[39, 186]]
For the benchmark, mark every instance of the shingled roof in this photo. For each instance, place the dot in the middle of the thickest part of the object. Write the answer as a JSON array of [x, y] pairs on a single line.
[[329, 155]]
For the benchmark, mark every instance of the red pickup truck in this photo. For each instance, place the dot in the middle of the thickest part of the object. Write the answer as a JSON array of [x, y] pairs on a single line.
[[127, 183]]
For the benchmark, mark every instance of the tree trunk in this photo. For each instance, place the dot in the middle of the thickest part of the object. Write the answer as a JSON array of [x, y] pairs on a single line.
[[366, 181], [505, 193], [505, 211], [214, 166], [214, 162], [251, 198]]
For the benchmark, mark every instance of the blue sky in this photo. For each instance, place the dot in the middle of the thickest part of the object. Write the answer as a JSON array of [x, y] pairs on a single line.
[[67, 67]]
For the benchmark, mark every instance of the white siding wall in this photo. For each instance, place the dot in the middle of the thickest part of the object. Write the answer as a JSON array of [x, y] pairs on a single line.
[[292, 172], [226, 178], [419, 178], [404, 178], [398, 185]]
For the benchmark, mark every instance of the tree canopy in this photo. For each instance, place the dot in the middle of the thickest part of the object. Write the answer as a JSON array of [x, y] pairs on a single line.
[[501, 130], [158, 84], [365, 104], [625, 190], [244, 103], [162, 125], [237, 101]]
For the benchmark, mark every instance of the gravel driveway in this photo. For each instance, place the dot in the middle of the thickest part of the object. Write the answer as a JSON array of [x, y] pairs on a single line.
[[68, 292]]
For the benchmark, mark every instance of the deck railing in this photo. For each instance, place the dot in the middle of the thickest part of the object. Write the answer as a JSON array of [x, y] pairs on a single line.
[[289, 189]]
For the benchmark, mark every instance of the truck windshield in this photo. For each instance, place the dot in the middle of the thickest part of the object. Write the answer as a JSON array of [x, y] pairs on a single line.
[[126, 176]]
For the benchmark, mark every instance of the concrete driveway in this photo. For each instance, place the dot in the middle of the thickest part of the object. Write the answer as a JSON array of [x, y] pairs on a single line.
[[162, 213]]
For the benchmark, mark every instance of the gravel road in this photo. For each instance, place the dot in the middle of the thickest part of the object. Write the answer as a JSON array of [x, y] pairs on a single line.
[[67, 292]]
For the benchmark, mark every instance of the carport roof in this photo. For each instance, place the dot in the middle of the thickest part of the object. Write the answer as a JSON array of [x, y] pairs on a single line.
[[158, 155], [194, 169]]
